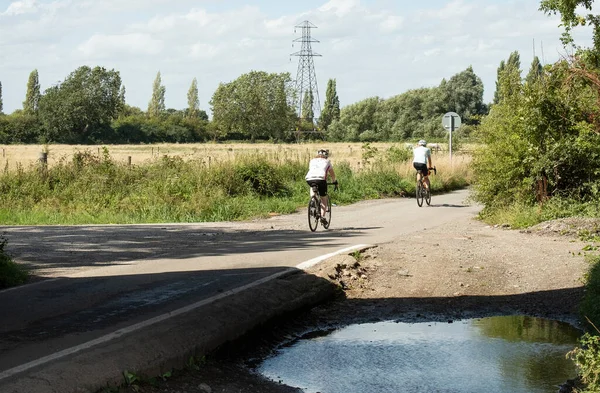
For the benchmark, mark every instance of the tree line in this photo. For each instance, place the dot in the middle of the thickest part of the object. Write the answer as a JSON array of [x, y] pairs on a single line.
[[89, 106]]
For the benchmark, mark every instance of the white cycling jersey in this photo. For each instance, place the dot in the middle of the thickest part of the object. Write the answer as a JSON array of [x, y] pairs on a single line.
[[317, 169], [421, 154]]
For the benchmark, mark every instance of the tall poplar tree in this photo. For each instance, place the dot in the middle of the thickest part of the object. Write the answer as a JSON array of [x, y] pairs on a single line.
[[498, 74], [331, 109], [122, 95], [157, 103], [511, 66], [308, 113], [193, 101], [33, 95], [535, 71], [1, 105]]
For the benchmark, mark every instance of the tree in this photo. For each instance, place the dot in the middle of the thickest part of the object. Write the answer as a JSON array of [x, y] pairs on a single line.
[[514, 63], [514, 60], [33, 95], [1, 105], [81, 108], [331, 108], [157, 103], [193, 101], [122, 96], [308, 113], [498, 74], [256, 105], [511, 66], [535, 72], [570, 19], [465, 94]]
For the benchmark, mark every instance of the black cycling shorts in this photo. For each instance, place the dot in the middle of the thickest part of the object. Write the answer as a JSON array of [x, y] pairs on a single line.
[[321, 185], [421, 168]]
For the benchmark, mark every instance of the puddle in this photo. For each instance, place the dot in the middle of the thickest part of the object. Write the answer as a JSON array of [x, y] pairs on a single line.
[[515, 354]]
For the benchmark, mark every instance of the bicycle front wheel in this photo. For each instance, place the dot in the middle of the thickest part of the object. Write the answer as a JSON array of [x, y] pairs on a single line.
[[428, 195], [313, 214], [419, 193], [328, 215]]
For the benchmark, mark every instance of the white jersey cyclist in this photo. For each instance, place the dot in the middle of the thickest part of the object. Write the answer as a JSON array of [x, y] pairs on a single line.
[[318, 168], [421, 154], [422, 157]]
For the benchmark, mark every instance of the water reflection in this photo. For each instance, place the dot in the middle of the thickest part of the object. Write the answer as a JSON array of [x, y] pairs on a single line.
[[501, 354]]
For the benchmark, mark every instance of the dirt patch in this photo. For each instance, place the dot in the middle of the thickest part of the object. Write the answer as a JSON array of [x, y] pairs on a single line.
[[464, 269], [573, 227]]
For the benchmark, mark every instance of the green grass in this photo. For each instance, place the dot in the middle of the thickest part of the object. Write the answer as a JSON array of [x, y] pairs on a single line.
[[522, 215], [95, 189]]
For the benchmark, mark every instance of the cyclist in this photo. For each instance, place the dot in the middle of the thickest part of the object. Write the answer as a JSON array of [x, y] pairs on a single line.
[[318, 169], [421, 157]]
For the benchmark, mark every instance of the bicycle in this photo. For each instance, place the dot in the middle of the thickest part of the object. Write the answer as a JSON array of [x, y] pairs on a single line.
[[314, 209], [422, 192]]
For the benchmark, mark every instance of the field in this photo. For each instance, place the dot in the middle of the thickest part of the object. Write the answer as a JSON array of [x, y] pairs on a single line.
[[354, 154]]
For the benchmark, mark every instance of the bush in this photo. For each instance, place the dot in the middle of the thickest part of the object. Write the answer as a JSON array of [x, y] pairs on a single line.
[[397, 154], [587, 359], [11, 274], [262, 177]]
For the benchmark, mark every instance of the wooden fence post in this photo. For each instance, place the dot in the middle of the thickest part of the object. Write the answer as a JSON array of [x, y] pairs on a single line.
[[43, 158]]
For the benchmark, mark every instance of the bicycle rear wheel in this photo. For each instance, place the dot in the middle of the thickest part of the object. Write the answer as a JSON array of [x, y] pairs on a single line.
[[428, 195], [419, 193], [313, 214], [328, 214]]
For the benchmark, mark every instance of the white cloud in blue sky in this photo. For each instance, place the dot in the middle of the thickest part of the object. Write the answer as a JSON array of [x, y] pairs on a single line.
[[372, 47]]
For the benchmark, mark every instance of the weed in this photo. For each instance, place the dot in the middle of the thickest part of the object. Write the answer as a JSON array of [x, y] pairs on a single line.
[[195, 362], [368, 152], [358, 256], [130, 378]]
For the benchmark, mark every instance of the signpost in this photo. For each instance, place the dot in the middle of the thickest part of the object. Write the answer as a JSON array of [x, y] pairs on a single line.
[[451, 121]]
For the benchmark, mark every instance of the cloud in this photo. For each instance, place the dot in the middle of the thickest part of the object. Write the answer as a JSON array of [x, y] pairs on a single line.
[[21, 7], [106, 46], [371, 49]]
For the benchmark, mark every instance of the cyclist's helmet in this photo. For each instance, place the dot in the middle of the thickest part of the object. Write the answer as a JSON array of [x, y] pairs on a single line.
[[323, 152], [422, 142]]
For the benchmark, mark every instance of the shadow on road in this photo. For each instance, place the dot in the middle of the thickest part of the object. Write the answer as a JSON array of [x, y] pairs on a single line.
[[71, 247]]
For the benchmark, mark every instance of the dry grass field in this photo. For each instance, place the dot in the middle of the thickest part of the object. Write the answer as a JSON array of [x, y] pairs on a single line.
[[27, 155]]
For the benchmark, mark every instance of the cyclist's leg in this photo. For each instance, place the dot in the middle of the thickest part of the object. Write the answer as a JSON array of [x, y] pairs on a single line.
[[310, 188], [324, 197], [324, 201], [425, 175]]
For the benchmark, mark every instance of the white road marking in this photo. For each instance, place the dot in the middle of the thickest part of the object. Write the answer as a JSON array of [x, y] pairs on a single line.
[[311, 262], [160, 318]]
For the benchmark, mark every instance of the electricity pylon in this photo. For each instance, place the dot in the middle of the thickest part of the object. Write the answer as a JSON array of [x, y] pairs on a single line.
[[306, 78]]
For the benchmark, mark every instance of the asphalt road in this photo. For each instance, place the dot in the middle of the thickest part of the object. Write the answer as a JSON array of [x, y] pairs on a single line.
[[95, 280]]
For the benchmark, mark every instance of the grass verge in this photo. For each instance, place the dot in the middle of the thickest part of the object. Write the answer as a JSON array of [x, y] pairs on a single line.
[[95, 189]]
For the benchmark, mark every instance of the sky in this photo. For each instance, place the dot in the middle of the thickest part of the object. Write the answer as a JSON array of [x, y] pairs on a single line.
[[371, 47]]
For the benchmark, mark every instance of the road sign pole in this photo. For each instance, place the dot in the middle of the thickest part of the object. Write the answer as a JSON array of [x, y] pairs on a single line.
[[451, 121], [450, 142]]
